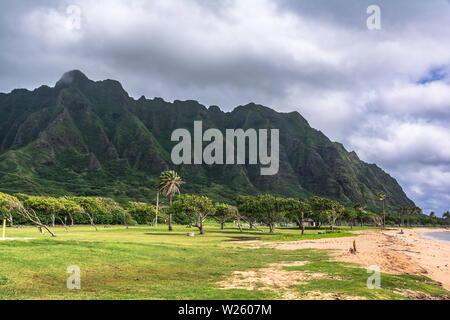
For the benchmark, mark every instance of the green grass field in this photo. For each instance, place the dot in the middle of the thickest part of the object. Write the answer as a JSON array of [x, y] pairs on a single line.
[[150, 263]]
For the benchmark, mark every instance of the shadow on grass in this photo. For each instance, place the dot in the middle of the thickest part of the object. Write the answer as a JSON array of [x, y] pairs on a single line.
[[240, 239], [236, 232], [166, 234]]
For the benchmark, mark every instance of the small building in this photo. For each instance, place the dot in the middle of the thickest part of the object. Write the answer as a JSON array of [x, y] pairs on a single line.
[[309, 223]]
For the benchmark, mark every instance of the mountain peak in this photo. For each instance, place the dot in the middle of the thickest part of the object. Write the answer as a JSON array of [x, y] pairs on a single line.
[[72, 77]]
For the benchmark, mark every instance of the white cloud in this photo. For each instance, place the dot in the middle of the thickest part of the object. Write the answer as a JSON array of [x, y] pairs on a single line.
[[426, 99], [403, 142], [357, 86]]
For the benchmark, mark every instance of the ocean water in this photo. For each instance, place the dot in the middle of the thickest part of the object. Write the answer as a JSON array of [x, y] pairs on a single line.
[[441, 236]]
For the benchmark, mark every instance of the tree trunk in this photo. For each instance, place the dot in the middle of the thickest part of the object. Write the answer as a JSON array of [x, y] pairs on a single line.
[[298, 223], [53, 220], [46, 228], [71, 220], [93, 224], [272, 228], [64, 224], [239, 223], [222, 225], [157, 209], [303, 223], [170, 214], [170, 222], [11, 220], [125, 222], [49, 231], [202, 231]]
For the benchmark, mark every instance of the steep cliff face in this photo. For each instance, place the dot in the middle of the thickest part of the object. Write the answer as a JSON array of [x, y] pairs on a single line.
[[86, 137]]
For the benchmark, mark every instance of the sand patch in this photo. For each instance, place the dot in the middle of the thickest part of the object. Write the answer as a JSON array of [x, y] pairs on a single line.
[[391, 251], [318, 295], [274, 278]]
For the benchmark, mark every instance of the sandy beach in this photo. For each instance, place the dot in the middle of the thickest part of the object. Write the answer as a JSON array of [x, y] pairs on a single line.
[[393, 252]]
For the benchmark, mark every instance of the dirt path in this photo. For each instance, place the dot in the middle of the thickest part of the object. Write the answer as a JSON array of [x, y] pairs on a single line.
[[391, 251]]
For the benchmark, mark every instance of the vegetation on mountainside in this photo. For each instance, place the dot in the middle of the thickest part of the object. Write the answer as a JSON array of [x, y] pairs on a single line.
[[86, 138]]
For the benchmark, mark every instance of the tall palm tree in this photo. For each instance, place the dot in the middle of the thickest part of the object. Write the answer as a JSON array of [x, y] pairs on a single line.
[[382, 198], [359, 211], [408, 211], [416, 211], [169, 185], [402, 212], [446, 216]]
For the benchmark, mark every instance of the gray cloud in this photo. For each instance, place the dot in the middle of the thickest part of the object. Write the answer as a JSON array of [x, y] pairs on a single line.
[[376, 91]]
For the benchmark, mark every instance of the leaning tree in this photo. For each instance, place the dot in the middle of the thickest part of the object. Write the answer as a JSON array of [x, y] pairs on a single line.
[[7, 206], [10, 204], [43, 207], [91, 206], [68, 208], [46, 207]]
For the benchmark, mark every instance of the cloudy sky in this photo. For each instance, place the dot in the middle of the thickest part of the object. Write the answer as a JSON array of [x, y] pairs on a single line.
[[383, 93]]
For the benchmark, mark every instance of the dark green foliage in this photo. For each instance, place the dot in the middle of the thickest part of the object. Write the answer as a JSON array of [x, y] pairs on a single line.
[[195, 208], [142, 213], [264, 208], [223, 213]]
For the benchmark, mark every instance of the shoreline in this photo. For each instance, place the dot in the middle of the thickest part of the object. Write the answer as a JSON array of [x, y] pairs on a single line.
[[429, 236], [394, 253]]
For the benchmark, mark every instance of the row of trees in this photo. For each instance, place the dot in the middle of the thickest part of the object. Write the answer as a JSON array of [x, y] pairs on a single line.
[[407, 212], [266, 210], [270, 211], [46, 212]]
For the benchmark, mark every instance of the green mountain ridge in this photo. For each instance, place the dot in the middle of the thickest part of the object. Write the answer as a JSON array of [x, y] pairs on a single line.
[[91, 138]]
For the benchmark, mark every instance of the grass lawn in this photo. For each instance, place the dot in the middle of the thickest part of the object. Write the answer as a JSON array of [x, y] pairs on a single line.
[[150, 263]]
